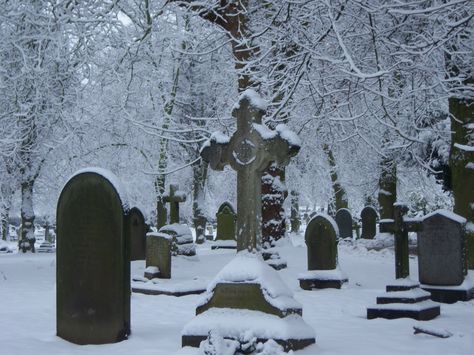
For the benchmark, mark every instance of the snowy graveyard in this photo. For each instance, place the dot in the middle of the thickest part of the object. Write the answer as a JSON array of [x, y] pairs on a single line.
[[338, 317]]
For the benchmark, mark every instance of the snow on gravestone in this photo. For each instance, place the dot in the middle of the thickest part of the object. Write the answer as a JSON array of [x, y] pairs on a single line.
[[138, 230], [248, 297], [368, 215], [344, 223], [93, 260], [237, 297], [321, 242], [158, 255], [225, 222], [442, 264]]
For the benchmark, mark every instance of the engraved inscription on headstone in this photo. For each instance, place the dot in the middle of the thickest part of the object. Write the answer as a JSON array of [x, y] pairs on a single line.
[[93, 266]]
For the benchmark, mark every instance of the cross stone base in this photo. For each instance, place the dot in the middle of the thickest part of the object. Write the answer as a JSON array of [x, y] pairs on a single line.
[[449, 294], [290, 332], [287, 344], [404, 301]]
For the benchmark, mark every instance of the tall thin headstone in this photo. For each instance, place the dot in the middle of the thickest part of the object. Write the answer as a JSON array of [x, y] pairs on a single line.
[[174, 197], [138, 230], [368, 216], [249, 151], [93, 260]]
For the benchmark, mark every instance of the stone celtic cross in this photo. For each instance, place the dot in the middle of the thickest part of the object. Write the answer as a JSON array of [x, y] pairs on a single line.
[[400, 226], [250, 151], [174, 198]]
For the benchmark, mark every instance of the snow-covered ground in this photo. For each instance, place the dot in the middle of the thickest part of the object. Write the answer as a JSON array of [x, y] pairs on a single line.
[[28, 314]]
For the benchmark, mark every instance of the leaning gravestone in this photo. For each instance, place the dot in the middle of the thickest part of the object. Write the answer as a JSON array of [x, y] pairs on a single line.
[[93, 260], [158, 255], [321, 242], [138, 230], [442, 265], [226, 218], [344, 223], [368, 215]]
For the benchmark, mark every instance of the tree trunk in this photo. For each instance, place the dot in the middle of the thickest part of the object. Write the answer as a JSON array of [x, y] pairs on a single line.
[[273, 195], [461, 162], [295, 212], [339, 193], [199, 219], [5, 221], [387, 188], [27, 216]]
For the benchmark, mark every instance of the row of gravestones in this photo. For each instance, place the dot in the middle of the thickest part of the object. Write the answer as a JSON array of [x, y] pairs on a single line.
[[346, 224], [442, 264]]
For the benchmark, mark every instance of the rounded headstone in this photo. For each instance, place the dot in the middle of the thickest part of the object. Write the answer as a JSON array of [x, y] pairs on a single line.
[[321, 241], [93, 262], [344, 223], [368, 216], [225, 222]]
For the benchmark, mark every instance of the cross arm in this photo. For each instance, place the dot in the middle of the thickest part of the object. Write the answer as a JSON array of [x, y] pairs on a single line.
[[386, 226], [412, 224], [284, 146], [215, 151]]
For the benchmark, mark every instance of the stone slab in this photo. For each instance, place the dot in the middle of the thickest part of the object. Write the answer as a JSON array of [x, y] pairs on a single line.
[[291, 332], [449, 295], [410, 296], [316, 284], [426, 310], [168, 287]]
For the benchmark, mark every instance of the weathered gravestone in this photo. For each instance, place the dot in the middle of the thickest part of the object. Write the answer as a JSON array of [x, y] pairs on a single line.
[[442, 264], [404, 298], [368, 216], [225, 222], [138, 230], [158, 255], [321, 242], [235, 296], [93, 260], [344, 223], [174, 197]]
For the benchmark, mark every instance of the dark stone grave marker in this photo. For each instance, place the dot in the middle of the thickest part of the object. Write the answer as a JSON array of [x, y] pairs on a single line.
[[226, 218], [93, 261], [138, 230], [344, 223], [442, 264], [368, 217], [321, 242], [158, 254]]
